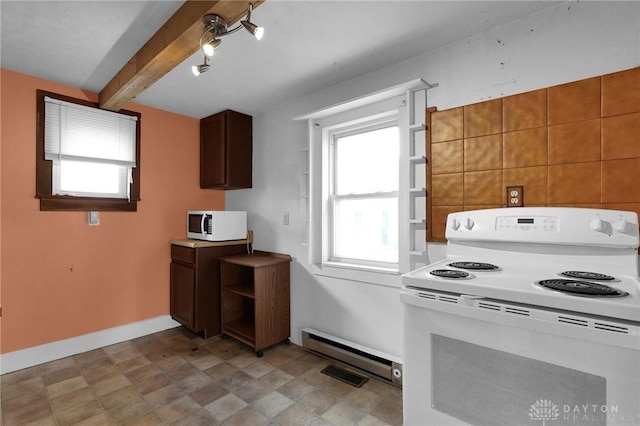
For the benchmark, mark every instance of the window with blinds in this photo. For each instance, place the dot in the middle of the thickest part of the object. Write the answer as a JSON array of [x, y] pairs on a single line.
[[86, 153], [93, 150]]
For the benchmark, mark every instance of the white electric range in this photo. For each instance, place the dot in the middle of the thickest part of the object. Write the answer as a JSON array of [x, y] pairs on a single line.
[[533, 316]]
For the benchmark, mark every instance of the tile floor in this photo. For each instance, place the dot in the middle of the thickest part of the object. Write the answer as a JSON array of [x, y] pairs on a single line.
[[175, 377]]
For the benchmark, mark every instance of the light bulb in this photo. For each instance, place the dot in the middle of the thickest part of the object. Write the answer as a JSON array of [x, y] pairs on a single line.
[[259, 32], [208, 49]]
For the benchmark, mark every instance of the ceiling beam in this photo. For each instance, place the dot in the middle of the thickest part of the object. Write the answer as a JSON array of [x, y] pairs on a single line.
[[173, 43]]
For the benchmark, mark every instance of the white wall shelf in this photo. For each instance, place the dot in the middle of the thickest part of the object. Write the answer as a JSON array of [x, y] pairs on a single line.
[[418, 159], [415, 177]]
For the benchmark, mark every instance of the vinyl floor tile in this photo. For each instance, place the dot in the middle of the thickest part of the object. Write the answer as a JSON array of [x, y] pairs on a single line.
[[175, 377]]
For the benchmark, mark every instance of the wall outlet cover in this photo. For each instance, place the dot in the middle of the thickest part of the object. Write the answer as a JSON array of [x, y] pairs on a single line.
[[515, 196], [94, 218]]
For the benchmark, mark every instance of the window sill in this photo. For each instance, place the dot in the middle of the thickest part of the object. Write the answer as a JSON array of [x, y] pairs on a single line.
[[369, 275], [86, 204]]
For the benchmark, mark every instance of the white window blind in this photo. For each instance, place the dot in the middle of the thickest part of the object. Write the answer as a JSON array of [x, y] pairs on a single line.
[[79, 133]]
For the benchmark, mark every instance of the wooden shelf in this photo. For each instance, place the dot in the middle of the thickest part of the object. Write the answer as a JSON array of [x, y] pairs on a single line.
[[245, 290], [242, 330]]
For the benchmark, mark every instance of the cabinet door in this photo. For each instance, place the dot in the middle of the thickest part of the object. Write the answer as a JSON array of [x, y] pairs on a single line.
[[183, 281], [239, 150], [213, 151]]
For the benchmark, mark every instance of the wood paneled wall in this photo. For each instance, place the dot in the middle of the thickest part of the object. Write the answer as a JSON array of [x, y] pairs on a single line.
[[576, 144]]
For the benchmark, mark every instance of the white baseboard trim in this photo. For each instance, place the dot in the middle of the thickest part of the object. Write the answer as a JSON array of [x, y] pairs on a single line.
[[24, 358]]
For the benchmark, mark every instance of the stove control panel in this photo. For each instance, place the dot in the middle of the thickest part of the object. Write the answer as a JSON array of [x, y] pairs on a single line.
[[547, 225], [533, 223]]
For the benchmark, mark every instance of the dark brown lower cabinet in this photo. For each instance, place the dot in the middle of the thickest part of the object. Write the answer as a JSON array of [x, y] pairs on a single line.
[[195, 286]]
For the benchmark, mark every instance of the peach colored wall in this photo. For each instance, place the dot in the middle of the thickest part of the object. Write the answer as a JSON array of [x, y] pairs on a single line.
[[61, 278]]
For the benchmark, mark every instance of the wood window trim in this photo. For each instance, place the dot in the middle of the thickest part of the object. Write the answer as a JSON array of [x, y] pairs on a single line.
[[50, 202]]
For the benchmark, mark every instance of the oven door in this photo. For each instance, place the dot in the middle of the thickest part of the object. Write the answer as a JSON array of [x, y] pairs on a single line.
[[473, 361]]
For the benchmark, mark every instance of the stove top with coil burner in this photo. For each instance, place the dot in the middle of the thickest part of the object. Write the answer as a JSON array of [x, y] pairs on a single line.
[[476, 266], [581, 288], [583, 275], [456, 274], [450, 274], [511, 253]]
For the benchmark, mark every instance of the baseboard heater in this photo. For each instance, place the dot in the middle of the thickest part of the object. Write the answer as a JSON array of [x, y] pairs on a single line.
[[366, 360]]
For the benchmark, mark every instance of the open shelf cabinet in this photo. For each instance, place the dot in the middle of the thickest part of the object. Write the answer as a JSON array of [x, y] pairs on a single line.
[[256, 298]]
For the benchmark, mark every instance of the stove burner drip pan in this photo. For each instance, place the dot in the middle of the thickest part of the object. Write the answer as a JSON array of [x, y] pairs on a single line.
[[581, 288], [476, 266], [595, 276], [449, 273]]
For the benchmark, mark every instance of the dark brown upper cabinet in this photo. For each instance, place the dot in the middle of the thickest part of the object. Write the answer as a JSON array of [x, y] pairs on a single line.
[[226, 151]]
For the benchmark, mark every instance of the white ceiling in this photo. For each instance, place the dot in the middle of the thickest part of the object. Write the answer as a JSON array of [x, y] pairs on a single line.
[[308, 45]]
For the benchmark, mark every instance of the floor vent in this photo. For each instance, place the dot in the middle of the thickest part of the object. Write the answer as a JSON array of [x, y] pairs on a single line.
[[344, 375], [364, 360]]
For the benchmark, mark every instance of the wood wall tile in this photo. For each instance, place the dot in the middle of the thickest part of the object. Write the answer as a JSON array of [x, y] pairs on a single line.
[[577, 183], [621, 136], [574, 145], [483, 188], [439, 221], [525, 148], [533, 179], [621, 92], [630, 207], [483, 153], [583, 205], [484, 118], [483, 207], [621, 181], [525, 111], [447, 190], [447, 125], [575, 142], [447, 157], [575, 101]]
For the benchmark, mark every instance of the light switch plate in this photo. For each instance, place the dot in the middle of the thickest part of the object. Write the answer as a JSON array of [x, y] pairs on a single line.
[[515, 196], [94, 218]]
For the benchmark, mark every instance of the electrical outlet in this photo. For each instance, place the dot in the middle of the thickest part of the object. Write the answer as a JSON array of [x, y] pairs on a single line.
[[285, 218], [515, 196], [94, 218]]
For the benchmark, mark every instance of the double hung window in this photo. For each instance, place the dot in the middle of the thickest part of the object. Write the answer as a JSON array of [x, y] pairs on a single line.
[[363, 182], [363, 194]]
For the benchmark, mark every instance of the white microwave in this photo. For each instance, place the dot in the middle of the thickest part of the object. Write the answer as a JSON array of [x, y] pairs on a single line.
[[214, 225]]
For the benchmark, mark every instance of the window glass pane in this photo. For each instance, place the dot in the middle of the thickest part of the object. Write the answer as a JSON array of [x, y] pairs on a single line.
[[90, 178], [366, 229], [367, 162]]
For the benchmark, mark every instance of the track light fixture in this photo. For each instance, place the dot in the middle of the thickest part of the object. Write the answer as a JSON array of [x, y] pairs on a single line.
[[199, 69], [215, 26]]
